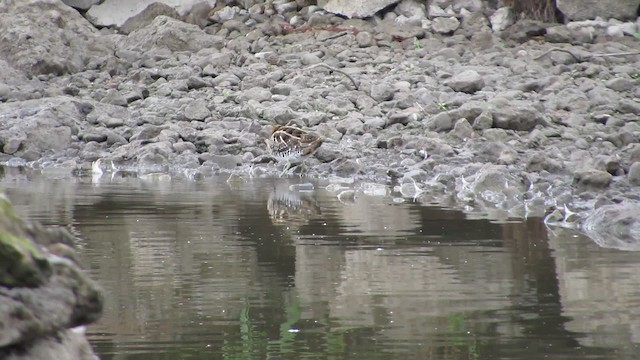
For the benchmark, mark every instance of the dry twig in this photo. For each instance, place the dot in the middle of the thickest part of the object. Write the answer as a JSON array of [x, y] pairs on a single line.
[[355, 84], [581, 58]]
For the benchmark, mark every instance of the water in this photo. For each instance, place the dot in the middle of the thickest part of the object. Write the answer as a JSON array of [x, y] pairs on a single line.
[[250, 270]]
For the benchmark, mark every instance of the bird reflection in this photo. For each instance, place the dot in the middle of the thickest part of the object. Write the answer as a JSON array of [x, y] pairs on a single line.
[[289, 206]]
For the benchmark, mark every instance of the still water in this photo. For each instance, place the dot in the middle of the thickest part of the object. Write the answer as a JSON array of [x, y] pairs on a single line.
[[267, 269]]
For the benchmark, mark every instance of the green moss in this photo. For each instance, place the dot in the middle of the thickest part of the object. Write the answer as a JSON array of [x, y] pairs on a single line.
[[21, 263], [5, 207]]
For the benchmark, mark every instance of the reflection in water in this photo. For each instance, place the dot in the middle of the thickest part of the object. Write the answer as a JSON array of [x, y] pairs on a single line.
[[292, 205], [280, 269]]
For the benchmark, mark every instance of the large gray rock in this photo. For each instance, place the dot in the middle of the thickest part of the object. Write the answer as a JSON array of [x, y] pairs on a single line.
[[168, 33], [39, 127], [468, 81], [356, 8], [146, 16], [590, 9], [81, 4], [117, 12], [43, 292], [48, 37]]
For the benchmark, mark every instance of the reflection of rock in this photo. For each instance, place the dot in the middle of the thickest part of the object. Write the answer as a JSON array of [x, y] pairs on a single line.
[[373, 215], [43, 293], [615, 226], [598, 292], [291, 207], [417, 293]]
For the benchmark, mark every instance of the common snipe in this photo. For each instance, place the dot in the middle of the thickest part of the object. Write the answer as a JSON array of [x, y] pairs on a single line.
[[291, 144]]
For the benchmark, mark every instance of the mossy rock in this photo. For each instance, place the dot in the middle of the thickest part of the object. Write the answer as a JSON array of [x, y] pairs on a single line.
[[21, 263]]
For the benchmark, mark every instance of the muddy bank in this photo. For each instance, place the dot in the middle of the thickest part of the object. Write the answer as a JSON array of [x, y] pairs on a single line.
[[462, 108]]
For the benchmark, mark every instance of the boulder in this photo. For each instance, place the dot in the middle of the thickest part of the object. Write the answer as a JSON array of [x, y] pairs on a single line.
[[41, 126], [168, 33], [48, 37], [118, 12], [356, 8], [40, 281], [590, 9], [80, 4]]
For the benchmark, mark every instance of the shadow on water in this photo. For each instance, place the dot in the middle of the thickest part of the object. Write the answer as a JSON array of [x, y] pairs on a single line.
[[280, 269]]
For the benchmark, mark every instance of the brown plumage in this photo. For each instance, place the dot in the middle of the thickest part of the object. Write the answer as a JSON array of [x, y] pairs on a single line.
[[291, 144]]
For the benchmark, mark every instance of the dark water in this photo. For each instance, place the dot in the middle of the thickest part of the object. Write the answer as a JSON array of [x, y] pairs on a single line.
[[250, 270]]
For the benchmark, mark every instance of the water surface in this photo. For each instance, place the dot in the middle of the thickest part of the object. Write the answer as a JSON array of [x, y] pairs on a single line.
[[252, 270]]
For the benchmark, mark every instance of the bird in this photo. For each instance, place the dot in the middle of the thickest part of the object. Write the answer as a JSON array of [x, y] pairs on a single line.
[[291, 144]]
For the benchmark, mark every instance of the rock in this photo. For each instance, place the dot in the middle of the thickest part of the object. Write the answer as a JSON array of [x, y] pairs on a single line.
[[620, 84], [165, 33], [502, 19], [493, 186], [440, 122], [356, 8], [116, 12], [410, 8], [94, 136], [194, 83], [563, 34], [40, 281], [146, 16], [282, 89], [223, 161], [470, 5], [435, 11], [351, 125], [628, 106], [310, 59], [445, 25], [256, 93], [197, 110], [48, 37], [483, 121], [404, 117], [346, 168], [47, 124], [518, 117], [540, 162], [365, 39], [620, 30], [80, 4], [525, 29], [285, 7], [634, 173], [468, 81], [592, 178], [199, 14], [114, 97], [327, 153], [462, 129], [382, 91], [590, 9]]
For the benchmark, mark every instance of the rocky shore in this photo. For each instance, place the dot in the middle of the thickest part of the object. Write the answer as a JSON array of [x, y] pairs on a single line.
[[452, 103]]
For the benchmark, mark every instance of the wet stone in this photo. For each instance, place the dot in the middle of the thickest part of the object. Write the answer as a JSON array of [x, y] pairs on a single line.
[[634, 173], [592, 178]]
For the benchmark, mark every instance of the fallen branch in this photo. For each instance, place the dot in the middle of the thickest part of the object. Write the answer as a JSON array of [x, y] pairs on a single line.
[[581, 58], [336, 70]]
